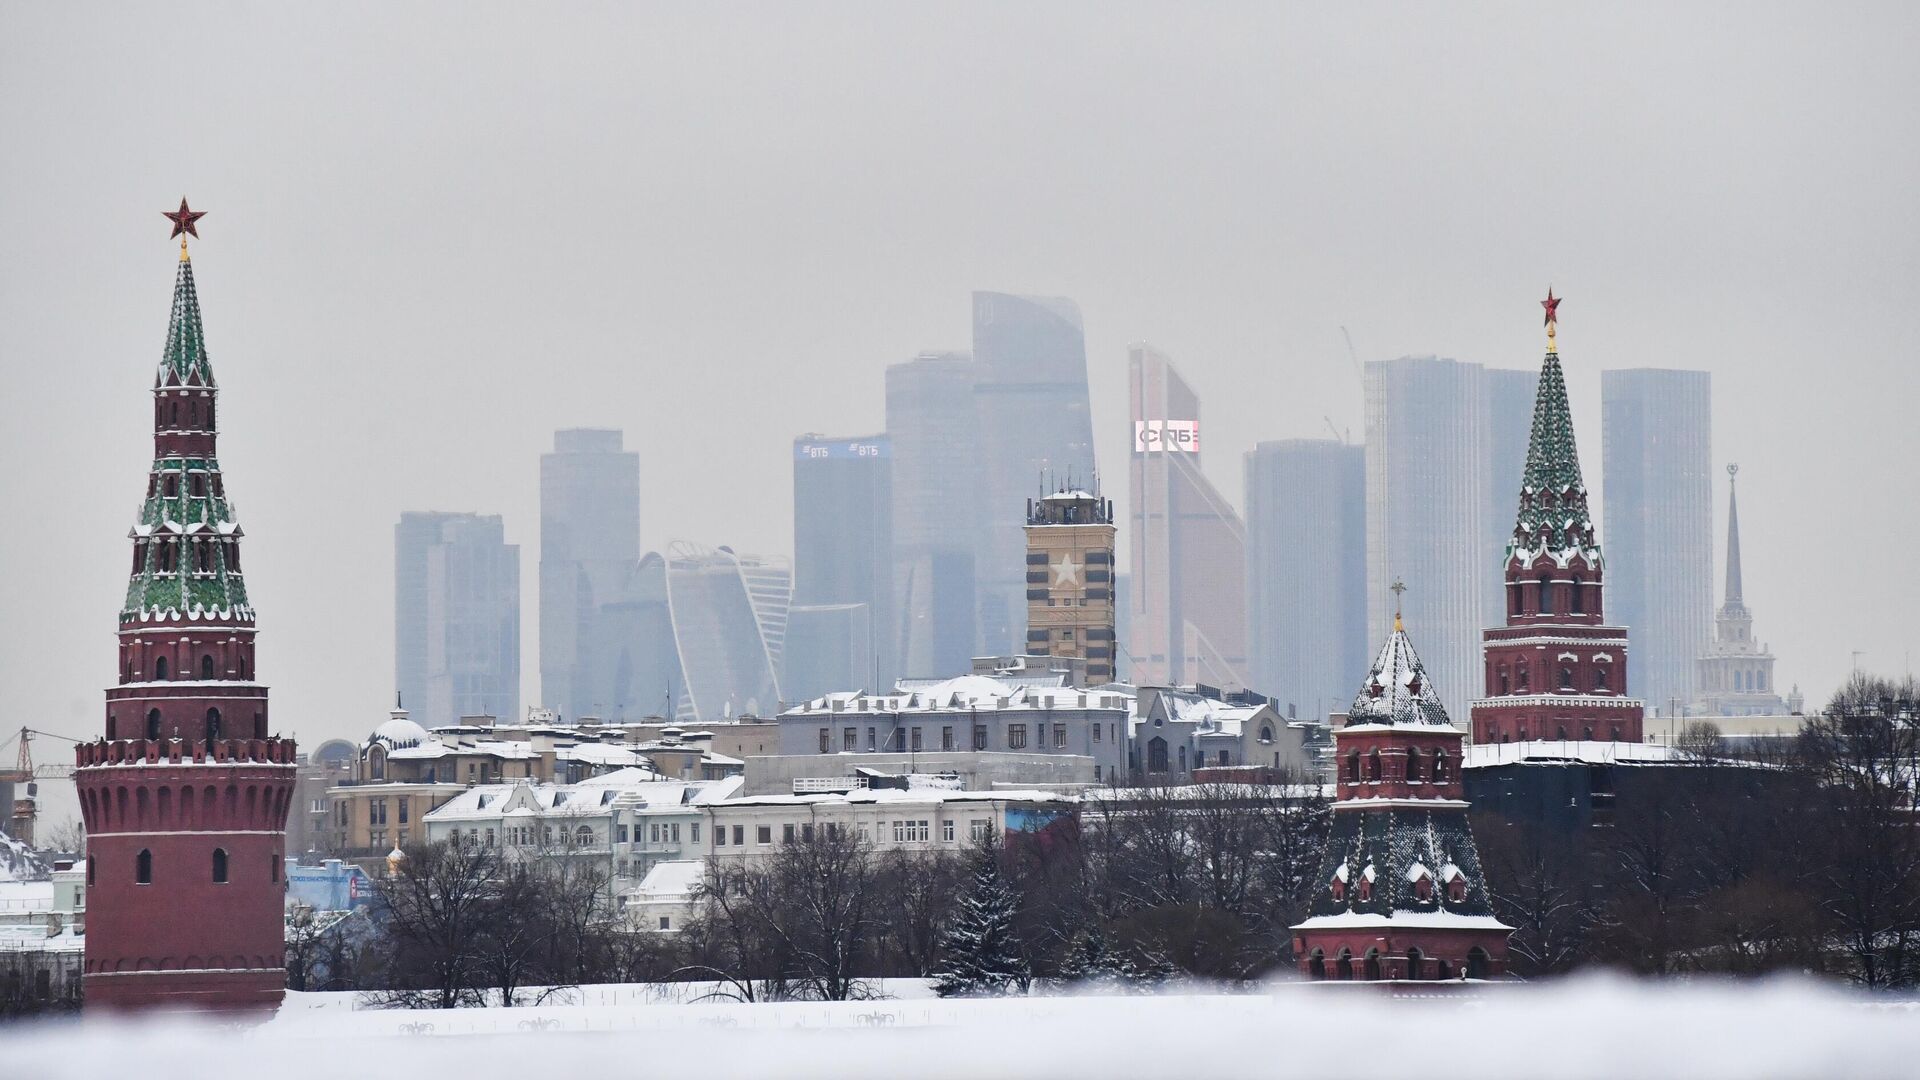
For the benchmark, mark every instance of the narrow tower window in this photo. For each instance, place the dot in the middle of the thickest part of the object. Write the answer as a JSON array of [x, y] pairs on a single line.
[[213, 724], [160, 670], [1546, 596], [206, 665], [143, 868], [1579, 605], [153, 724], [220, 865]]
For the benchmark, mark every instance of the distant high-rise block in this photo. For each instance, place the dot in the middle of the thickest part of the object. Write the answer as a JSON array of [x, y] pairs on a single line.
[[728, 613], [1306, 571], [589, 542], [456, 617], [1069, 586], [935, 473], [1657, 465], [1440, 480], [1187, 564], [1035, 423], [843, 558]]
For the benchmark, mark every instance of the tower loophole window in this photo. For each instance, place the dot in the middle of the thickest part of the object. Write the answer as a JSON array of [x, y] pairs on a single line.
[[143, 868], [153, 724], [1546, 596], [206, 665], [213, 724], [1579, 605], [160, 670], [220, 865]]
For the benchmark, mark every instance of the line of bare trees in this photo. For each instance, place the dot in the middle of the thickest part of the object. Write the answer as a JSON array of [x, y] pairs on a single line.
[[1200, 880], [1810, 862]]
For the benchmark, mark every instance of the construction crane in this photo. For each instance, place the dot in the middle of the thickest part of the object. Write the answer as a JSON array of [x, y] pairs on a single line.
[[26, 808]]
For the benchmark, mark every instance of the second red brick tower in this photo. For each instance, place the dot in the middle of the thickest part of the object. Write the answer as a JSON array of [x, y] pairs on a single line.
[[1555, 670]]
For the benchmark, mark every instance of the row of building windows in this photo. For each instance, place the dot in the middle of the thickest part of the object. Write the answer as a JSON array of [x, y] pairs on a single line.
[[1418, 771], [1545, 593], [143, 867], [901, 739], [1476, 966], [1519, 733], [1519, 684], [203, 549], [904, 831], [168, 412]]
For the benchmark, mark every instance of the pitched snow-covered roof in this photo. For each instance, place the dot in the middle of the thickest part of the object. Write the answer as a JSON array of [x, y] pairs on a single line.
[[1397, 690], [964, 692]]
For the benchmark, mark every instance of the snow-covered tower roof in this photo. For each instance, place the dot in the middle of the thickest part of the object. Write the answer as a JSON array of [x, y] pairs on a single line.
[[1397, 690]]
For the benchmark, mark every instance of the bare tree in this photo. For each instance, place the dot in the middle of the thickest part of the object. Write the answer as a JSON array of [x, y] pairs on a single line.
[[800, 922], [436, 912]]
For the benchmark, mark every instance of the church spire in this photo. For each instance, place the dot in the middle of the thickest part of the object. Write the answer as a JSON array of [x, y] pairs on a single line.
[[1733, 598], [1553, 498]]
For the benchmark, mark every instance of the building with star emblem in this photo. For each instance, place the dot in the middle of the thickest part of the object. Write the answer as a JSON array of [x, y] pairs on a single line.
[[1070, 580]]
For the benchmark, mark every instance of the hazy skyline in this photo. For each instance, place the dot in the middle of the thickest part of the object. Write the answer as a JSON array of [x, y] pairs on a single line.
[[436, 235]]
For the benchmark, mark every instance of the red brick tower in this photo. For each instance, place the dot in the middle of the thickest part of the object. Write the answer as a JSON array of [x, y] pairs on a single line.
[[185, 799], [1400, 893], [1555, 670]]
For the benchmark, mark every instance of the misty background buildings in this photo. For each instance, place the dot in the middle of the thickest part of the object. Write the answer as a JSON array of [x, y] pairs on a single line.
[[914, 557]]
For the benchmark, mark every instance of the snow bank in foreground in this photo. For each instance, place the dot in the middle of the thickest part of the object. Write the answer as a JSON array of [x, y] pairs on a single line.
[[1590, 1028]]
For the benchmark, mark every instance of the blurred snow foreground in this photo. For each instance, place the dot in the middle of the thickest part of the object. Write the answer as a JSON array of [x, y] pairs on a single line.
[[1594, 1027]]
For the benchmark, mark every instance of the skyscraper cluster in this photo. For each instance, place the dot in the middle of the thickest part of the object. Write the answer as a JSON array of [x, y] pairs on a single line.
[[910, 559]]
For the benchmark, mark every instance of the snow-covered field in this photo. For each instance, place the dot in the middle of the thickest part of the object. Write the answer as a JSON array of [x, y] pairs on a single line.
[[1588, 1028]]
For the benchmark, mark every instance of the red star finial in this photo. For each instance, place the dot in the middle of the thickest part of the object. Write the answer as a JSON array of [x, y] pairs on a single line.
[[1550, 303], [184, 218]]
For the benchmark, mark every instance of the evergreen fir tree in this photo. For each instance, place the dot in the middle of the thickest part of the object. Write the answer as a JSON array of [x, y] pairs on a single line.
[[980, 952], [1090, 963]]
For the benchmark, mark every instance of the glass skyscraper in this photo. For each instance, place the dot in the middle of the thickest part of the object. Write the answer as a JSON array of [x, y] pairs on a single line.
[[842, 558], [456, 617], [935, 445], [589, 542], [1306, 572], [1035, 429], [1446, 447], [1657, 466]]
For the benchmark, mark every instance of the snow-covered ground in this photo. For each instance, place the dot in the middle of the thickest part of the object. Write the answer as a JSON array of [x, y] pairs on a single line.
[[1589, 1028]]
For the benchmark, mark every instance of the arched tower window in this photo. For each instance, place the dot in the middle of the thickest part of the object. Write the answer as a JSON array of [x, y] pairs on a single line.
[[160, 670], [1317, 964], [1546, 595], [173, 415], [1439, 766], [206, 665], [1566, 677], [1353, 767], [1579, 604], [213, 724], [153, 724], [143, 868], [1416, 964], [1373, 965], [1344, 965], [1413, 766], [220, 865], [1373, 766]]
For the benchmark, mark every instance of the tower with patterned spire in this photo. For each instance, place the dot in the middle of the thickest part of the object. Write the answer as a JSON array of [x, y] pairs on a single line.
[[1736, 675], [1400, 893], [1555, 670], [185, 797]]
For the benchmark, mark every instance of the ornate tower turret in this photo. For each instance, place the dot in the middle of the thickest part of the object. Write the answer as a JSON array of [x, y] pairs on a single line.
[[1400, 894], [185, 798], [1555, 670]]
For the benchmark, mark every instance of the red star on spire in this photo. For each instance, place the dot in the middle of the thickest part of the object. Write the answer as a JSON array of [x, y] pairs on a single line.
[[184, 218], [1550, 303]]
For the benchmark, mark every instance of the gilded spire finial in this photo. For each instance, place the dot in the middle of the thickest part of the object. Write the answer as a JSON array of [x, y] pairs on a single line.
[[1397, 588], [1552, 304]]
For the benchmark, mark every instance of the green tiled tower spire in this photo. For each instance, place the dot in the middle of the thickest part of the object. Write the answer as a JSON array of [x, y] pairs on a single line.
[[1553, 518], [186, 563], [184, 363]]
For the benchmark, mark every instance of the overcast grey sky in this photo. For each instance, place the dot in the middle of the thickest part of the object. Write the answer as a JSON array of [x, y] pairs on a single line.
[[436, 234]]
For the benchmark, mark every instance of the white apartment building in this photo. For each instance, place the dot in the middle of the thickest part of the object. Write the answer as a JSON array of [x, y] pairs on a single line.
[[917, 818]]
